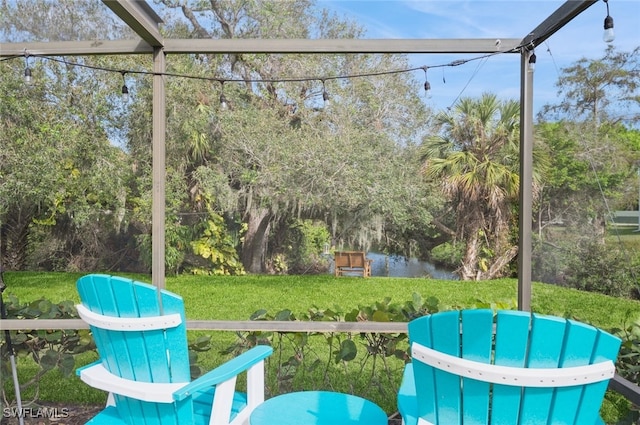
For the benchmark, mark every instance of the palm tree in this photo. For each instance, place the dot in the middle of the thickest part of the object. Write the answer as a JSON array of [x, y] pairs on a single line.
[[476, 160]]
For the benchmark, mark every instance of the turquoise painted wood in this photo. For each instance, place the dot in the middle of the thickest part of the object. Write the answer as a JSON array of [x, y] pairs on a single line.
[[447, 386], [159, 356], [476, 345], [436, 395], [510, 350], [425, 406], [318, 408]]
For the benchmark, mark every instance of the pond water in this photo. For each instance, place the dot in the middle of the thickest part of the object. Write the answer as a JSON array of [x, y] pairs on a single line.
[[399, 266]]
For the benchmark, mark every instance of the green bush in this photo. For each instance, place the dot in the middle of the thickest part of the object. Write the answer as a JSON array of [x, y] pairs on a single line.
[[587, 265], [51, 350], [447, 254], [600, 268], [628, 365], [216, 246], [616, 409], [367, 364], [303, 248]]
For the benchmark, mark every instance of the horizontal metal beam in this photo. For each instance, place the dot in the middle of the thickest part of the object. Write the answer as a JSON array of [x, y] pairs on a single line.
[[299, 326], [76, 48], [558, 19], [627, 389], [226, 325], [45, 324], [340, 46], [176, 46]]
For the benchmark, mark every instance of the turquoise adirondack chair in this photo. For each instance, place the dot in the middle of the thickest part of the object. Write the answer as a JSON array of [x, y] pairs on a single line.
[[471, 367], [144, 360]]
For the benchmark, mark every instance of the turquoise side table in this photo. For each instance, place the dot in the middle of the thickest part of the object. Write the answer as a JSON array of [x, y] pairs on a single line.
[[318, 408]]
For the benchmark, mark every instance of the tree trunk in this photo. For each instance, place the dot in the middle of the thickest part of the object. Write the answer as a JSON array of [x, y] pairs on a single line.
[[498, 265], [15, 237], [255, 240], [469, 267]]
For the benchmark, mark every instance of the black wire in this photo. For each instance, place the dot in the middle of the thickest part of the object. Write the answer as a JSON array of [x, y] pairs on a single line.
[[456, 62], [10, 57]]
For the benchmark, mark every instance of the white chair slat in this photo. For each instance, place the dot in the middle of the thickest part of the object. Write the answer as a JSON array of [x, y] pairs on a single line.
[[514, 376]]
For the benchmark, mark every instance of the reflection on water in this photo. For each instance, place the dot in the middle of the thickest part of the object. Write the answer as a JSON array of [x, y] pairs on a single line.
[[399, 266]]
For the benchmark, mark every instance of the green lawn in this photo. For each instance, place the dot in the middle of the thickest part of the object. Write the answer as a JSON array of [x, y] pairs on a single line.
[[236, 298]]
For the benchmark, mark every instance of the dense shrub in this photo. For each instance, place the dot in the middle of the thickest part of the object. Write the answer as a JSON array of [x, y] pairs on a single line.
[[627, 366], [600, 268], [587, 265], [302, 248], [447, 254], [53, 349]]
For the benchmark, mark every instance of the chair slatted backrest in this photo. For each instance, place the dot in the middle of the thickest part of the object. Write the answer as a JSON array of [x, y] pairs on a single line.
[[520, 340], [156, 355], [350, 259], [357, 259], [342, 259]]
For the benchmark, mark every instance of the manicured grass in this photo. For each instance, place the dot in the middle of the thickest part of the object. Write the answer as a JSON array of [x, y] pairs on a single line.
[[237, 297]]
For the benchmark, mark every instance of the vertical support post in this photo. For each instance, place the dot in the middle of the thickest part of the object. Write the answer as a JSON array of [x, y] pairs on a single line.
[[158, 171], [638, 164], [526, 182]]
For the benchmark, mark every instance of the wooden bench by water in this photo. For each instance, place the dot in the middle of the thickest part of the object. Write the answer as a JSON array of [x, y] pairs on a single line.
[[352, 262]]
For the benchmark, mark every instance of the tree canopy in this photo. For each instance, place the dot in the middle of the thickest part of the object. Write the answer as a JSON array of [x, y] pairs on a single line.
[[278, 154], [281, 168], [476, 160]]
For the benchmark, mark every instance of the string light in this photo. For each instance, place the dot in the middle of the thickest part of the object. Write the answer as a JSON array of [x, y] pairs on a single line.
[[608, 35], [427, 85], [125, 89], [457, 62], [224, 104], [532, 62], [325, 95], [27, 70]]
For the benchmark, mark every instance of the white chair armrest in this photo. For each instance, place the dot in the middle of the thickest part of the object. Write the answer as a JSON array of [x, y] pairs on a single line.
[[97, 376], [226, 371]]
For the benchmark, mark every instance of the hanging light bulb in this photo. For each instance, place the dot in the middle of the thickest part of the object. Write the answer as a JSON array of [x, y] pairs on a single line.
[[427, 84], [325, 96], [27, 70], [224, 104], [125, 94], [532, 62], [125, 89], [608, 36], [27, 76], [223, 101]]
